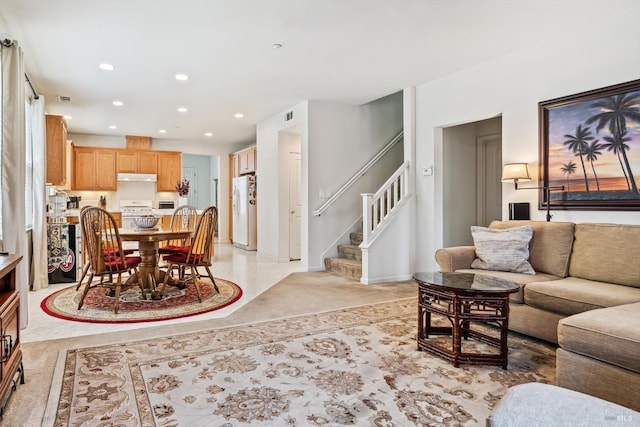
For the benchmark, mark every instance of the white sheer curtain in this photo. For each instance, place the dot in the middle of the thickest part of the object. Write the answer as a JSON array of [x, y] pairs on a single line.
[[14, 238], [39, 231]]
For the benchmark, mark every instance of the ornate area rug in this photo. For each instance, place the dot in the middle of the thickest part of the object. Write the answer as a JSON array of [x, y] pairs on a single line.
[[98, 306], [356, 366]]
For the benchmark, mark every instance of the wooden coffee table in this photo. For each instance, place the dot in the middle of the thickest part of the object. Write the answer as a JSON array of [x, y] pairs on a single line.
[[464, 299]]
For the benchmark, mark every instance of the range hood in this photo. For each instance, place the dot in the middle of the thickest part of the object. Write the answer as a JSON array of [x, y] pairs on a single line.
[[137, 177]]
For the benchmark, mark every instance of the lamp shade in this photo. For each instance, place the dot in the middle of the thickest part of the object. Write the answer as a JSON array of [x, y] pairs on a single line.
[[515, 172]]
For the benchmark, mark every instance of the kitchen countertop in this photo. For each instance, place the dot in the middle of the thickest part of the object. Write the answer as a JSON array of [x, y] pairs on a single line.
[[76, 212]]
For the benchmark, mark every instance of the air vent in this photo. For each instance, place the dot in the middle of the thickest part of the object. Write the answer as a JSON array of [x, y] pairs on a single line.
[[63, 98], [289, 116]]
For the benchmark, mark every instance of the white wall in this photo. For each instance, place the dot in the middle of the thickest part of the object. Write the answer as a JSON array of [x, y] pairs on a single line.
[[587, 58]]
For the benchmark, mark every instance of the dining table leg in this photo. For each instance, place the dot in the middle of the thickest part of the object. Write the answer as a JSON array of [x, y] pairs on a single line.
[[150, 273], [148, 267]]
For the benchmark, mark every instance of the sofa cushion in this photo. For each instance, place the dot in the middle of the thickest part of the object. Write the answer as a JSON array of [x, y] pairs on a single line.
[[502, 250], [607, 253], [611, 335], [550, 247], [573, 295], [519, 278], [536, 404]]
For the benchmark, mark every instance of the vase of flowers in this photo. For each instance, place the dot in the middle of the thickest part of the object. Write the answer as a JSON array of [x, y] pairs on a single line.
[[182, 187]]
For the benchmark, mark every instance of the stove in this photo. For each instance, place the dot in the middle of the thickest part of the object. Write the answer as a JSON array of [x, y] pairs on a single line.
[[133, 208]]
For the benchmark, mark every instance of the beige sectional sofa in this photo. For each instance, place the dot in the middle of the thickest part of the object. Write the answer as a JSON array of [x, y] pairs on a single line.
[[584, 296]]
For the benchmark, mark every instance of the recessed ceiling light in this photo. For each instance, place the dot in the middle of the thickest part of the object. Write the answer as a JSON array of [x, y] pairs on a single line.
[[276, 45], [182, 109], [113, 127], [238, 115], [162, 131], [118, 103], [182, 76], [68, 117], [107, 67], [208, 134]]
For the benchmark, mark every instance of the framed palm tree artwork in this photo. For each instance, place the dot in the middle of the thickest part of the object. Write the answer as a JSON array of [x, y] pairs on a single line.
[[590, 145]]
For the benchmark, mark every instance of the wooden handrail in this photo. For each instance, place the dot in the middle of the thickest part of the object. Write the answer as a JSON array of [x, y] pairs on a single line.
[[358, 174]]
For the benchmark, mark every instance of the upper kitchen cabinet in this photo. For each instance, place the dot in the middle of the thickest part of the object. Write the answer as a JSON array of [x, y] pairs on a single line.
[[247, 160], [169, 170], [94, 169], [138, 142], [129, 161], [56, 150]]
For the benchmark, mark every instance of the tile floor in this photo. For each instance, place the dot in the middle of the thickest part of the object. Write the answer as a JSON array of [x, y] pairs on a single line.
[[252, 272]]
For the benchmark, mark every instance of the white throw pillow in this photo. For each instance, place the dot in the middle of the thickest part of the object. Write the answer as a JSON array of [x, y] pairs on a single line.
[[503, 250]]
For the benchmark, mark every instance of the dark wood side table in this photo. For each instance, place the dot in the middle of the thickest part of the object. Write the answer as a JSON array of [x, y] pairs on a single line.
[[462, 299]]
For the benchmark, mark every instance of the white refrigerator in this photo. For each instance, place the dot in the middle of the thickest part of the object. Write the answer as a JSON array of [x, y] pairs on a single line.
[[244, 212]]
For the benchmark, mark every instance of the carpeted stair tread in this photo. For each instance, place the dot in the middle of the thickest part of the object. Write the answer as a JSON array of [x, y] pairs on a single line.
[[346, 267], [356, 238], [350, 252]]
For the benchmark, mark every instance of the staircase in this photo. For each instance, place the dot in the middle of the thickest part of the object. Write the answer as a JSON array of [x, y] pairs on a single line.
[[349, 260]]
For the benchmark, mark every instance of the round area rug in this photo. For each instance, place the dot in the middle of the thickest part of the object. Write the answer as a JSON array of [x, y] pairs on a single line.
[[98, 306]]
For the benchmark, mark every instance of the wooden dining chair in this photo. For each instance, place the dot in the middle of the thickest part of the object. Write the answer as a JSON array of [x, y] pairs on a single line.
[[106, 256], [198, 254], [184, 218]]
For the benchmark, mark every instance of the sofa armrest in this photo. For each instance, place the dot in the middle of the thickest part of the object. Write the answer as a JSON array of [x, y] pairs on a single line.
[[455, 258]]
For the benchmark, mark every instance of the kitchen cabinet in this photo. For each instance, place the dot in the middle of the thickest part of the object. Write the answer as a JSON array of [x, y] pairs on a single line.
[[129, 161], [138, 142], [247, 160], [11, 369], [56, 134], [165, 221], [94, 169], [169, 170], [117, 216]]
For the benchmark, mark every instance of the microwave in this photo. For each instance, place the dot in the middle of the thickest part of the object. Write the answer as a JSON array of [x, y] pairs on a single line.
[[166, 204]]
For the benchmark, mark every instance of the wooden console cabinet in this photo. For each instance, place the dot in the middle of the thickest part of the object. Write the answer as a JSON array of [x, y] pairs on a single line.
[[11, 370]]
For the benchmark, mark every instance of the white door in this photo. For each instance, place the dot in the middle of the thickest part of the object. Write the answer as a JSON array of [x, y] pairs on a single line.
[[189, 172], [295, 206]]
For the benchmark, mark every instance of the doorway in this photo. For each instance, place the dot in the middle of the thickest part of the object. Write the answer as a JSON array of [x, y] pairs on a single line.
[[472, 190], [295, 206], [290, 198]]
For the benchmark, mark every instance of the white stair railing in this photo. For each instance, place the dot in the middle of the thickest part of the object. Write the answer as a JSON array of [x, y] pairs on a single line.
[[358, 174], [376, 208]]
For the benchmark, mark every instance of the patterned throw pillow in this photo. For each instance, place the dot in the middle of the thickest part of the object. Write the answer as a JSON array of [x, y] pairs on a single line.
[[502, 250]]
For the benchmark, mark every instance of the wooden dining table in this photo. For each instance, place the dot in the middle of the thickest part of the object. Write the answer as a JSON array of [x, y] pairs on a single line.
[[148, 246]]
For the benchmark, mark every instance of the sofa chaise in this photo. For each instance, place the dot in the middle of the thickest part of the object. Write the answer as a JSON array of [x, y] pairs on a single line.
[[583, 293]]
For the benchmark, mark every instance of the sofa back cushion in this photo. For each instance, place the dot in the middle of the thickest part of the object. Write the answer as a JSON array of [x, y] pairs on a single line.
[[607, 253], [551, 244]]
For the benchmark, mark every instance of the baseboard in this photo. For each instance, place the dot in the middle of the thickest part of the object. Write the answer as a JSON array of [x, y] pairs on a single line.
[[388, 279]]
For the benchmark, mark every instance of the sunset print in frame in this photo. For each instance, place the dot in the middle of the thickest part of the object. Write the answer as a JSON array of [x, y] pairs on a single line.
[[590, 144]]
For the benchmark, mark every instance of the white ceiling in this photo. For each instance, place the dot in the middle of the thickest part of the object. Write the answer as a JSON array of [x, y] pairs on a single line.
[[351, 51]]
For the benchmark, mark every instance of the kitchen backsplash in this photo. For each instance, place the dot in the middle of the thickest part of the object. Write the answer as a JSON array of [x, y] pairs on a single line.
[[126, 191]]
